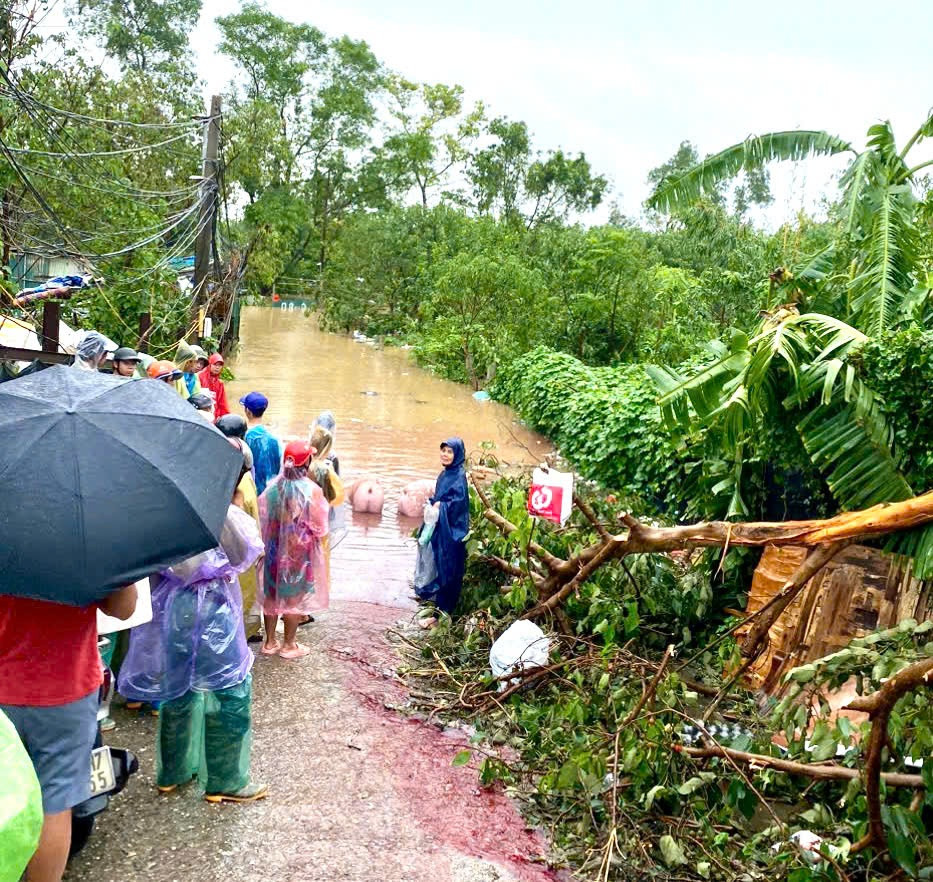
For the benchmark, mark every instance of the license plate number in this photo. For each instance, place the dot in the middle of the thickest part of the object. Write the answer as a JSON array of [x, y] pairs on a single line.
[[102, 775]]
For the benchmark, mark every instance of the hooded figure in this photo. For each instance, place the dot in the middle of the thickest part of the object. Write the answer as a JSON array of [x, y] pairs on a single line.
[[211, 382], [186, 360], [193, 658], [327, 421], [294, 516], [91, 351], [452, 499]]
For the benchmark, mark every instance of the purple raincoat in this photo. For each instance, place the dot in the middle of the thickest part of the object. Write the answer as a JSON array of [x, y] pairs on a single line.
[[195, 641]]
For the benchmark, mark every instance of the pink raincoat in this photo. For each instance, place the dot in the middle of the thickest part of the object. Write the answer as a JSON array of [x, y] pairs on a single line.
[[294, 516]]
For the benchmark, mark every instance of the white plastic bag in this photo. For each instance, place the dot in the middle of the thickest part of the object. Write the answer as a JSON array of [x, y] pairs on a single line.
[[551, 495], [522, 645], [425, 567], [431, 516]]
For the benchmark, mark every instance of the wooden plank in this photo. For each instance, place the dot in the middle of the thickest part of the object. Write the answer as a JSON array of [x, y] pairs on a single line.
[[860, 590], [51, 321], [14, 353]]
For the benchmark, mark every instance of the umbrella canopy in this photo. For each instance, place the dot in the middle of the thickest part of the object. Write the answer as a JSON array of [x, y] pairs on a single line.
[[104, 480]]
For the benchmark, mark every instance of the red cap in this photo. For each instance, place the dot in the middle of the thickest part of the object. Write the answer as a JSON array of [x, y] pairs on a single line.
[[299, 452], [216, 358]]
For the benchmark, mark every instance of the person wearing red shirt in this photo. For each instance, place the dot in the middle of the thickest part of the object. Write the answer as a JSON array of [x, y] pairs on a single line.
[[50, 674], [211, 382]]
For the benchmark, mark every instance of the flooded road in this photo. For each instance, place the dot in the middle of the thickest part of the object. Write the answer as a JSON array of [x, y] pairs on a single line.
[[391, 418], [359, 791]]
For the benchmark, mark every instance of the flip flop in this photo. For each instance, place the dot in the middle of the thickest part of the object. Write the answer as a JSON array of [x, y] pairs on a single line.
[[307, 621], [300, 651], [275, 650]]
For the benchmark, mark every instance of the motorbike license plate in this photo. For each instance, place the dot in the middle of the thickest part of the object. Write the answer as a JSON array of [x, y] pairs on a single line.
[[102, 775]]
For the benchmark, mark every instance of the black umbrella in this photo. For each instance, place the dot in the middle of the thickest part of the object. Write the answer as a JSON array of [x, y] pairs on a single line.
[[104, 480]]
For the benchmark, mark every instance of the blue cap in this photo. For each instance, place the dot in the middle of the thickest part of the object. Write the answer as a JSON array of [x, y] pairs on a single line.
[[255, 403]]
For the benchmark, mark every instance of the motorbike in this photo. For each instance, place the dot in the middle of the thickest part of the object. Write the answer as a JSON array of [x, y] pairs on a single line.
[[110, 767]]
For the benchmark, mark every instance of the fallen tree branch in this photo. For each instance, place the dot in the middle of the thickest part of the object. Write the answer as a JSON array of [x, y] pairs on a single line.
[[605, 553], [551, 561], [510, 568], [879, 706], [827, 536], [590, 515], [650, 689], [808, 770]]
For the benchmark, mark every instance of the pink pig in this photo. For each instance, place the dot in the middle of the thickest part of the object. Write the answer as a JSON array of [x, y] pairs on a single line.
[[366, 494], [414, 496]]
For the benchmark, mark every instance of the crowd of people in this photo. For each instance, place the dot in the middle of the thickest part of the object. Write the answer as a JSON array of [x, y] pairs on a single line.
[[191, 663]]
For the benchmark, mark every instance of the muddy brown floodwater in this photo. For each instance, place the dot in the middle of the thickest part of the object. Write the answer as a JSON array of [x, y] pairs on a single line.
[[358, 792], [391, 418]]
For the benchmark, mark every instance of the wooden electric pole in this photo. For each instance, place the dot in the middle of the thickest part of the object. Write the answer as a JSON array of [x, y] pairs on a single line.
[[209, 175]]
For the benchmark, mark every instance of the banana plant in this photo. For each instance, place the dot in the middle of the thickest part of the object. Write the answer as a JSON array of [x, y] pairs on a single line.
[[869, 277], [795, 366]]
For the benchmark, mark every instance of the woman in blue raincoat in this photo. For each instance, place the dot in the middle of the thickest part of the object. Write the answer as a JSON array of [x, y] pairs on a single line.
[[452, 500]]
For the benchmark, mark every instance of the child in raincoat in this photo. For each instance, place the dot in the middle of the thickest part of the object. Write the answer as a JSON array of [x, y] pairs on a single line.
[[294, 512], [193, 658]]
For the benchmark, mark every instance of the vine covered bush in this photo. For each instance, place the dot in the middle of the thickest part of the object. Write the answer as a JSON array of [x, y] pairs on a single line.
[[604, 419], [899, 366]]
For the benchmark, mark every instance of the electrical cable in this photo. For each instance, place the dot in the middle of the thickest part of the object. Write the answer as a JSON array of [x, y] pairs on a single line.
[[28, 151], [103, 121], [56, 133]]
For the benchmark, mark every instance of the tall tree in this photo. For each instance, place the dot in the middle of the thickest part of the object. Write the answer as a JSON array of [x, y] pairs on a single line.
[[140, 34], [528, 189], [434, 135], [300, 127]]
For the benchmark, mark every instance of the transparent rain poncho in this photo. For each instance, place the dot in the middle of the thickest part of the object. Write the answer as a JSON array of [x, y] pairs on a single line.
[[195, 641], [90, 351], [294, 514], [20, 803]]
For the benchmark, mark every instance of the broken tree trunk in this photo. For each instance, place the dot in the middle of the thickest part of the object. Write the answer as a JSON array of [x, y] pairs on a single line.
[[825, 537]]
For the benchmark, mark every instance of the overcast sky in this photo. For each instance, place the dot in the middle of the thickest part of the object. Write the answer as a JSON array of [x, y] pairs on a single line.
[[626, 81]]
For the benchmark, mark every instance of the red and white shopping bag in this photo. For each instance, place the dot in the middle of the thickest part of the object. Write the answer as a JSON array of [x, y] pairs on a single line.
[[551, 495]]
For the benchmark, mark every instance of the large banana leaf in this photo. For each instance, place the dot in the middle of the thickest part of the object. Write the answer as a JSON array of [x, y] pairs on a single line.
[[883, 282], [681, 190], [852, 443], [857, 182]]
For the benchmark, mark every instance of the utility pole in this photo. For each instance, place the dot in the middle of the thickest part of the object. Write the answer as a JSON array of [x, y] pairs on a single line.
[[208, 196]]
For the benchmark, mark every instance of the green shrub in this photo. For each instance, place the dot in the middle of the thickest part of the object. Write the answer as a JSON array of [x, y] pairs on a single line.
[[605, 421]]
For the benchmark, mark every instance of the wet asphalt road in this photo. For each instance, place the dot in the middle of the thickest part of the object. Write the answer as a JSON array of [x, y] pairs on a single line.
[[357, 792]]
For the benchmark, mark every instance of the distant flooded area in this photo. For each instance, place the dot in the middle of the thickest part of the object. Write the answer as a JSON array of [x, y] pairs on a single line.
[[391, 418]]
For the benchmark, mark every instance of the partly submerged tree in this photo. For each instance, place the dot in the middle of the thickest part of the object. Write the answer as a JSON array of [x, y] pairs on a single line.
[[800, 364]]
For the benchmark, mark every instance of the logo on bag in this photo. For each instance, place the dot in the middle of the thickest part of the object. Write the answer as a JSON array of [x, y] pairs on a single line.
[[541, 499], [550, 495]]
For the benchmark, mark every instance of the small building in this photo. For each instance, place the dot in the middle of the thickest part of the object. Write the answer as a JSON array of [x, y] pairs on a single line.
[[29, 269]]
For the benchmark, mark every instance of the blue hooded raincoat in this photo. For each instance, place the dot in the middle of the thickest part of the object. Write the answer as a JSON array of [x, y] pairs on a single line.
[[447, 542]]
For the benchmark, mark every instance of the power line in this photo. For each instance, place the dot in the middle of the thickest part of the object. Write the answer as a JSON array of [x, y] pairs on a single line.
[[56, 133], [121, 152], [192, 123]]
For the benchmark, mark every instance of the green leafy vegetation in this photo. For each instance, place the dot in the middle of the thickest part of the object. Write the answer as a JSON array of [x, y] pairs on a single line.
[[599, 748], [687, 364]]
